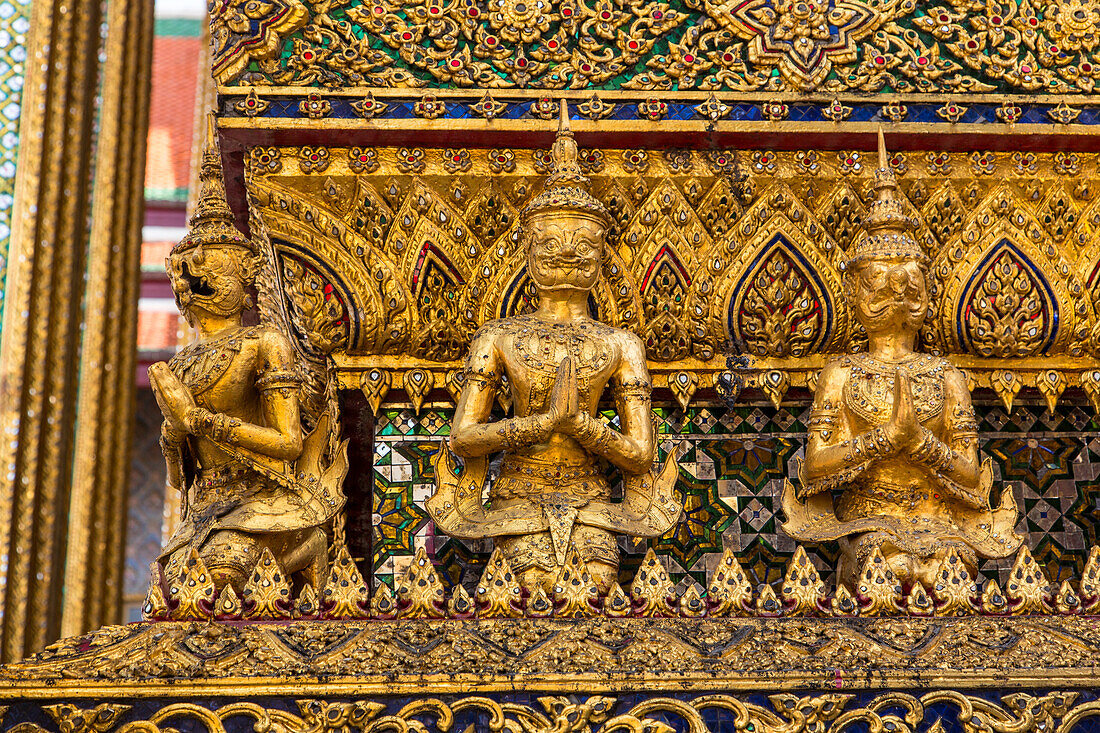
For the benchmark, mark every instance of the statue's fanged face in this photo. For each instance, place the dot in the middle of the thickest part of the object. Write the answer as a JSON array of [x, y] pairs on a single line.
[[889, 295], [564, 251], [212, 279]]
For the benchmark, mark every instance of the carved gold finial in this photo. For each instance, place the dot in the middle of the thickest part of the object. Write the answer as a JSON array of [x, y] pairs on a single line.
[[574, 592], [888, 226], [155, 607], [767, 603], [267, 594], [729, 592], [383, 605], [345, 594], [194, 591], [420, 594], [803, 590], [617, 603], [498, 594], [566, 187], [307, 605], [539, 605], [228, 606], [692, 604], [843, 603], [1028, 589], [954, 589], [211, 224], [1090, 582], [1066, 601], [993, 600], [652, 589], [879, 590], [918, 602], [460, 605]]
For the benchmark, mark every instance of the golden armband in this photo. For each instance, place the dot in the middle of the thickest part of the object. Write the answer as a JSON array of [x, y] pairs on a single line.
[[823, 420], [276, 379], [632, 389], [217, 426], [473, 377], [594, 435]]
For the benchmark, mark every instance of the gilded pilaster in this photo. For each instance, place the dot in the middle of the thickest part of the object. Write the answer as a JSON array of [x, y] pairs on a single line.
[[54, 496]]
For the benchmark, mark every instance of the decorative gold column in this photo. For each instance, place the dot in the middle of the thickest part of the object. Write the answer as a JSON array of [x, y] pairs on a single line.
[[67, 354]]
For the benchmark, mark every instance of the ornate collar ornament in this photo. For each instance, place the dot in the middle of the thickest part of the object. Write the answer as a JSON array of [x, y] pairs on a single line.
[[212, 223], [567, 188], [888, 227]]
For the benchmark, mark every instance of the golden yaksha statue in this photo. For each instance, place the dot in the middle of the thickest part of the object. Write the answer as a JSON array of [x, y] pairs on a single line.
[[551, 490], [892, 431], [233, 434]]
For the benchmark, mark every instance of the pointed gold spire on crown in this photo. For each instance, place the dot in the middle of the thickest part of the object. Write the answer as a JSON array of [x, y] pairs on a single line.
[[888, 226], [211, 224], [566, 187]]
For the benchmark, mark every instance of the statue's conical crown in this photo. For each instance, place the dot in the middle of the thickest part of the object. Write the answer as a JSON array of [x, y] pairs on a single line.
[[888, 227], [211, 224], [567, 187]]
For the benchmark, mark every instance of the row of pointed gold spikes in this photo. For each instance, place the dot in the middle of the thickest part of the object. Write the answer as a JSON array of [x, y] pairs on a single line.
[[418, 382], [420, 595]]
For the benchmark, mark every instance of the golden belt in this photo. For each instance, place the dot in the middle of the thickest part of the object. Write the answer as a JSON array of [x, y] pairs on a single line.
[[223, 475], [890, 492], [528, 478]]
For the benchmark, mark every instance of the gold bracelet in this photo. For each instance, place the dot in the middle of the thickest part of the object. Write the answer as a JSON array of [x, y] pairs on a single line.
[[869, 445]]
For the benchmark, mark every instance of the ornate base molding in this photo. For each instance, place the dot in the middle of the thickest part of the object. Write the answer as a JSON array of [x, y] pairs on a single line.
[[592, 656]]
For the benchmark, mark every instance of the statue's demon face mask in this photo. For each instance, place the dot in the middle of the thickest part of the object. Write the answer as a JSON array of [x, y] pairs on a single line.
[[889, 295], [212, 279], [564, 251]]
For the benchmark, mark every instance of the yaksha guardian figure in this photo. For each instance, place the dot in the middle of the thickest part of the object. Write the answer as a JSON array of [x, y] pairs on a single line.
[[892, 452], [232, 434], [552, 491]]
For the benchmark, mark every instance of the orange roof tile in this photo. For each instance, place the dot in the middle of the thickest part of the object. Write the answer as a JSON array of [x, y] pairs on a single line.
[[172, 117], [157, 330]]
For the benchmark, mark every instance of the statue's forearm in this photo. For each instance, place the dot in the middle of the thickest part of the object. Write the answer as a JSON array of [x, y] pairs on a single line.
[[961, 472], [629, 454], [824, 461], [268, 442], [472, 441]]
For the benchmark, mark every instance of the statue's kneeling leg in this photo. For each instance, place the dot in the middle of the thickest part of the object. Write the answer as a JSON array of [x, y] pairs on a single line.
[[304, 551]]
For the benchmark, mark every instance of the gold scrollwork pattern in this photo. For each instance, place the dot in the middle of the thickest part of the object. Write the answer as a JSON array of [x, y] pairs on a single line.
[[785, 713]]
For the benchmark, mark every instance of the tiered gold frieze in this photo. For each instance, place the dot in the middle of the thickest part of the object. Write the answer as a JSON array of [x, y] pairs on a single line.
[[707, 250], [706, 46]]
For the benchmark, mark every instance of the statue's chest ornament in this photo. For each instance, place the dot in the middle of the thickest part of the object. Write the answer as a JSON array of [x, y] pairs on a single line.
[[541, 348], [869, 391], [201, 365]]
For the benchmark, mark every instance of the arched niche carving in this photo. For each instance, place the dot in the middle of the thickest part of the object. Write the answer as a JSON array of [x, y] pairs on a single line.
[[665, 242], [779, 295], [1005, 290], [369, 283]]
